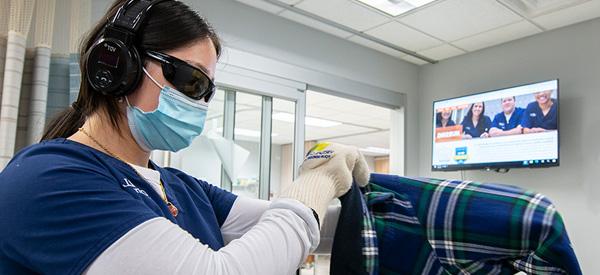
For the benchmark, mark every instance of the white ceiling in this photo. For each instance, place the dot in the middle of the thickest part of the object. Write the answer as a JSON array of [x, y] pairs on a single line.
[[440, 30], [362, 125]]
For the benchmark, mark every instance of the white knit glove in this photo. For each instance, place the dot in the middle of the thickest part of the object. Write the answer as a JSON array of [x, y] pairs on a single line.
[[326, 174]]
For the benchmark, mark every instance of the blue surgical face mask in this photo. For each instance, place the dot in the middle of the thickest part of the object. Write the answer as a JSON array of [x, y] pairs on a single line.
[[176, 121]]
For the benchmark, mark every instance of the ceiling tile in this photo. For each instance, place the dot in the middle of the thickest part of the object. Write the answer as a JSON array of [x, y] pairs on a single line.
[[346, 117], [344, 12], [282, 105], [376, 46], [442, 52], [314, 24], [572, 15], [290, 2], [260, 4], [497, 36], [404, 36], [455, 19], [414, 60], [319, 112], [248, 100], [378, 139]]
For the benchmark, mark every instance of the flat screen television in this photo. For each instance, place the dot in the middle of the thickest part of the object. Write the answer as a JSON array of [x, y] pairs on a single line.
[[506, 128]]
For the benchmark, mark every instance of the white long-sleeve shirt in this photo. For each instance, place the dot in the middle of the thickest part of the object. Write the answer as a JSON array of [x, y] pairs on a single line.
[[261, 237]]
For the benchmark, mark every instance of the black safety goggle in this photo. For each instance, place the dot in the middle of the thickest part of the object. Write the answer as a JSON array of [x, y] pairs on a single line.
[[186, 78]]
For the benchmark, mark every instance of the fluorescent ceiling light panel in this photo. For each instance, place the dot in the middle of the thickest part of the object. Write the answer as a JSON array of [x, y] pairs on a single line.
[[246, 132], [533, 8], [376, 150], [310, 121], [395, 7]]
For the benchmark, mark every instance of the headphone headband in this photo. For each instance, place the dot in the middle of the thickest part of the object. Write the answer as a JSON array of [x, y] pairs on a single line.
[[132, 14]]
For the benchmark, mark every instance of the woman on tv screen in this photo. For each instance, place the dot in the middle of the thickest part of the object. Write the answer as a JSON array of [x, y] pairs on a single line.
[[476, 124], [444, 119]]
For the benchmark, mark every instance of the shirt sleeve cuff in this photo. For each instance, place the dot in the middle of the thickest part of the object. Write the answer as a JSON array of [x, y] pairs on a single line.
[[304, 213]]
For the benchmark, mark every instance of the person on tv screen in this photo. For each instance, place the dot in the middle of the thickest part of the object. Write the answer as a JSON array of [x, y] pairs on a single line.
[[507, 122], [476, 124], [542, 114], [443, 119]]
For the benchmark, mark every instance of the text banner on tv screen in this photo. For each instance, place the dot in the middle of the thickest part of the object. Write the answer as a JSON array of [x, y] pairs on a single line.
[[505, 128]]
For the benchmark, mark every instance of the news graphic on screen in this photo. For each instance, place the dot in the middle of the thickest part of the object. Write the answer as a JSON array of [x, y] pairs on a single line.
[[506, 128]]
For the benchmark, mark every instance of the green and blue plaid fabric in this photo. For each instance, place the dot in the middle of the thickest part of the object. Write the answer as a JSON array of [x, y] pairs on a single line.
[[369, 235], [430, 226]]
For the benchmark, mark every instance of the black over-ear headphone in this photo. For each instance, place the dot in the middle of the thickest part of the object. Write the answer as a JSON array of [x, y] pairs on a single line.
[[114, 65]]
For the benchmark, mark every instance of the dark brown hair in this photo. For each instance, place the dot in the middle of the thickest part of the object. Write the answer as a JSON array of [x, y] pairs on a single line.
[[169, 25]]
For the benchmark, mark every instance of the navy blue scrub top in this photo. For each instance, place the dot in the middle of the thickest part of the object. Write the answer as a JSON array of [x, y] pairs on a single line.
[[534, 117], [64, 203], [450, 122], [501, 123], [475, 132]]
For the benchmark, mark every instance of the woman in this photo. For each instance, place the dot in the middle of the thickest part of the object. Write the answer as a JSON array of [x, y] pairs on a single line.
[[443, 119], [476, 124], [88, 200]]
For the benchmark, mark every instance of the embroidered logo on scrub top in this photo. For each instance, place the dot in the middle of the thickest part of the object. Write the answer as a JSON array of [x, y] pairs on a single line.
[[129, 184], [532, 115]]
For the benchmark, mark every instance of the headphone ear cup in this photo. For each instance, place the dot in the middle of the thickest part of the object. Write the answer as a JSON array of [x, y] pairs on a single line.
[[113, 68], [133, 75]]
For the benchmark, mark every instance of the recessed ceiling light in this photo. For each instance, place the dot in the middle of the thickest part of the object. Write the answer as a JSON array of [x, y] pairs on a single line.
[[396, 7], [310, 121], [533, 8]]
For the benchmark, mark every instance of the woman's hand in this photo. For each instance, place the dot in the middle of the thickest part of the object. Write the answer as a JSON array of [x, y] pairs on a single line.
[[337, 161], [327, 173]]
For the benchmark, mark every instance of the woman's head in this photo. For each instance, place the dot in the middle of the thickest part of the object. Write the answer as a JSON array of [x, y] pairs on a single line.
[[477, 110], [446, 114], [170, 27], [443, 115]]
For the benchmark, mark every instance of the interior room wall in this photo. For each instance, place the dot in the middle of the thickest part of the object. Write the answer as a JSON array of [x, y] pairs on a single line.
[[570, 54]]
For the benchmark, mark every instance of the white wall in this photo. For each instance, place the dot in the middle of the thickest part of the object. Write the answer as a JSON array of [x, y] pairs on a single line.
[[571, 54]]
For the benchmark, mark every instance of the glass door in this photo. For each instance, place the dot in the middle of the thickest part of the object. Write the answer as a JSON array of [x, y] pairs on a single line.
[[255, 153], [247, 134]]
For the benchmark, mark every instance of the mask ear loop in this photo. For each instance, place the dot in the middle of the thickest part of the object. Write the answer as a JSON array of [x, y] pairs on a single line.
[[127, 100], [152, 78]]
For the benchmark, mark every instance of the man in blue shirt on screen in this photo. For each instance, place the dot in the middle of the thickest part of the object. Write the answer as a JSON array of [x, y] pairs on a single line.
[[508, 121], [541, 115]]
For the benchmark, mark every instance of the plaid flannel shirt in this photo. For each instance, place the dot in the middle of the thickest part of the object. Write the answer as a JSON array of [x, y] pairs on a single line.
[[430, 226], [370, 251]]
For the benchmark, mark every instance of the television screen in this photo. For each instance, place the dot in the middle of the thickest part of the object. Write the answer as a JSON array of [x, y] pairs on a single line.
[[507, 128]]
